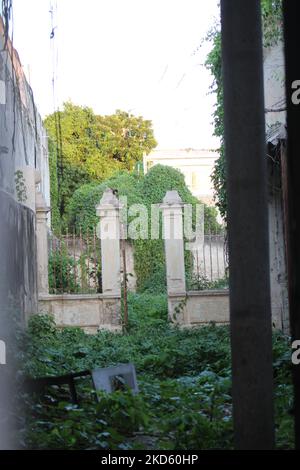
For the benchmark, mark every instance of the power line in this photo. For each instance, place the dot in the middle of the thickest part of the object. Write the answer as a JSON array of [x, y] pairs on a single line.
[[6, 11], [56, 111]]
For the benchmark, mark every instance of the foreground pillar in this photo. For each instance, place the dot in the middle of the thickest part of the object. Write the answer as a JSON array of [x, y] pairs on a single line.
[[42, 243], [291, 12], [245, 151], [109, 212]]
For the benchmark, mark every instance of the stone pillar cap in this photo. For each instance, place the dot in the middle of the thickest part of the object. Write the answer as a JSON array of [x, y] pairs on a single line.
[[109, 200], [171, 198]]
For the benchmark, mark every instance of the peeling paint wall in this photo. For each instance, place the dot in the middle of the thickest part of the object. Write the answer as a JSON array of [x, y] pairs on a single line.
[[274, 85], [278, 267]]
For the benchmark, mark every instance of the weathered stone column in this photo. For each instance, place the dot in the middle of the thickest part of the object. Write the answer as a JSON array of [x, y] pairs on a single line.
[[109, 212], [247, 217], [174, 254], [42, 243]]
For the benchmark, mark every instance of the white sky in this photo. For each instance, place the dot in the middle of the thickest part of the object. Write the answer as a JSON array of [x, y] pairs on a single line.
[[124, 54]]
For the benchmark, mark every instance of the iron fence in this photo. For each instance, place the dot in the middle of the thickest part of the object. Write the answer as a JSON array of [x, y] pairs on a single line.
[[209, 263], [75, 263]]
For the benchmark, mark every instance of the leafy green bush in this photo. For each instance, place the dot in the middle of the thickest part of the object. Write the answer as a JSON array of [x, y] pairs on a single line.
[[200, 282], [184, 378], [81, 211], [101, 425], [61, 272]]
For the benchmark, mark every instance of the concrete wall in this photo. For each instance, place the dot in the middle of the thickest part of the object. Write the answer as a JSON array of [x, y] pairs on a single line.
[[274, 84], [18, 258], [22, 151], [274, 75], [199, 307], [208, 306], [89, 312], [203, 307], [278, 265], [23, 141], [99, 311]]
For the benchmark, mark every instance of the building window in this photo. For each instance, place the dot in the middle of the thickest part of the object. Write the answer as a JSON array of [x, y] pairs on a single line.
[[149, 164], [194, 180]]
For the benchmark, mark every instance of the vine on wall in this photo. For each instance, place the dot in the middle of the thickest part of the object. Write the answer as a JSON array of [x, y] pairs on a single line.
[[146, 190], [272, 34]]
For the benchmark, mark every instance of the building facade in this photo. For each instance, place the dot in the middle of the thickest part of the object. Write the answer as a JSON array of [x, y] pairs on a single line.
[[275, 117], [24, 175], [196, 166]]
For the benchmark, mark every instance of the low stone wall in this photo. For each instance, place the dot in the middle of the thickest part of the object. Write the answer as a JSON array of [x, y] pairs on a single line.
[[208, 306], [199, 307], [89, 312], [203, 307]]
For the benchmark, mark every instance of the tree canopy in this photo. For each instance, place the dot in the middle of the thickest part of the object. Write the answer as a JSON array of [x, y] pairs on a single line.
[[86, 147]]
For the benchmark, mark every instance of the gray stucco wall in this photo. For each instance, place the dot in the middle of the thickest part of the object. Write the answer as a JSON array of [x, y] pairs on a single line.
[[18, 298], [18, 257], [22, 148]]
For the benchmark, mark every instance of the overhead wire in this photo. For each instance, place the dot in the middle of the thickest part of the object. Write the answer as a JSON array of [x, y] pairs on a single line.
[[56, 111]]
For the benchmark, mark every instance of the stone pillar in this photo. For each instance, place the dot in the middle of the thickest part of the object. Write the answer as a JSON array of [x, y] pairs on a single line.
[[174, 254], [109, 212], [42, 243]]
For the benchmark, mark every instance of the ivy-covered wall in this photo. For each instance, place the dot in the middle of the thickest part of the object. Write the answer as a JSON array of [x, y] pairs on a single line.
[[146, 190], [272, 33]]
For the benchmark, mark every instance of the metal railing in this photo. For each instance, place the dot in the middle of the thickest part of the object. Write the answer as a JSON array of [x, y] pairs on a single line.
[[209, 263], [75, 263]]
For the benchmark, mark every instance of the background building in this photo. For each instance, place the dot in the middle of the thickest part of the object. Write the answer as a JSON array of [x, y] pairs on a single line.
[[196, 166]]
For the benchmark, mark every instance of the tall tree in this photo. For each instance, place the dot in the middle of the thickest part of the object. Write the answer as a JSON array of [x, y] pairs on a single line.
[[86, 147]]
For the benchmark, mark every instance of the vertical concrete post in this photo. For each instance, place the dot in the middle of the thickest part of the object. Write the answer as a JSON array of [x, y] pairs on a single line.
[[174, 254], [109, 212], [291, 11], [249, 279], [42, 243]]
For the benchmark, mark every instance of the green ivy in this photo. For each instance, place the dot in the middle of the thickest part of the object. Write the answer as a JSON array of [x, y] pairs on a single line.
[[185, 398], [272, 34], [86, 147], [61, 272], [55, 217], [149, 189]]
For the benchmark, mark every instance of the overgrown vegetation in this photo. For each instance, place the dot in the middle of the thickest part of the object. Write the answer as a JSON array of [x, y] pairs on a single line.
[[146, 190], [85, 147], [61, 272], [183, 375], [272, 33]]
